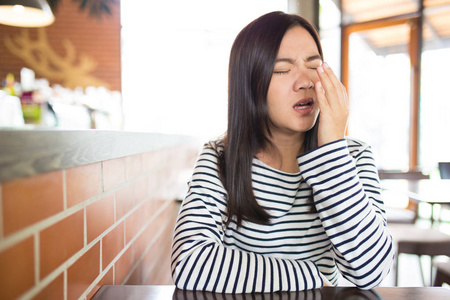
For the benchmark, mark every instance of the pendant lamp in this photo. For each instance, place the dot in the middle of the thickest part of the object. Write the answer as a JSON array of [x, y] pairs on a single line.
[[26, 13]]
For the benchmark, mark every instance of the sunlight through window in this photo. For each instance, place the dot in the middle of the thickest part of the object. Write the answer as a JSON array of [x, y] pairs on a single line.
[[175, 62]]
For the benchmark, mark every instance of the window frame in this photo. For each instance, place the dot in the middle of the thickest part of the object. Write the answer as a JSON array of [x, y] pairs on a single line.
[[415, 21]]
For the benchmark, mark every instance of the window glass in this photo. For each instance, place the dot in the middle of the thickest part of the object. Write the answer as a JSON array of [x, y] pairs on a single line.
[[434, 142], [175, 62], [379, 92], [330, 33]]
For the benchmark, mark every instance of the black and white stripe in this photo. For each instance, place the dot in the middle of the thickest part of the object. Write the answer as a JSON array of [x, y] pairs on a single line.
[[347, 235]]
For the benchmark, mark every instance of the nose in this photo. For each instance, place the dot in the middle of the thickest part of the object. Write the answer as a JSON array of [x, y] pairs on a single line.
[[303, 81]]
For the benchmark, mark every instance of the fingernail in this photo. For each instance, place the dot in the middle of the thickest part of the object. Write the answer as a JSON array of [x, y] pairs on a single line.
[[320, 69], [325, 65]]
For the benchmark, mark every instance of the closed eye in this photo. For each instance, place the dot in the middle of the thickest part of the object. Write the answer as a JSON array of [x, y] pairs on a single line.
[[281, 72], [313, 67]]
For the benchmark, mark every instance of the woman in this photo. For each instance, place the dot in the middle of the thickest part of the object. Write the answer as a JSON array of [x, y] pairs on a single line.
[[283, 202]]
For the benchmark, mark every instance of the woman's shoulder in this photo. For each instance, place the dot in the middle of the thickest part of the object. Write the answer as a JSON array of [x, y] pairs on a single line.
[[211, 151], [214, 147], [207, 168]]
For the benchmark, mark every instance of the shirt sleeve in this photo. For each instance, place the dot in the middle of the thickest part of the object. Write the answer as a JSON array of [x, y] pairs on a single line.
[[347, 197], [200, 261]]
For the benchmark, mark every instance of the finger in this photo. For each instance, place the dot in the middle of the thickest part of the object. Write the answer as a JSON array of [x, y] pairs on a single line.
[[333, 78], [341, 90], [334, 89], [328, 86], [321, 97], [344, 92]]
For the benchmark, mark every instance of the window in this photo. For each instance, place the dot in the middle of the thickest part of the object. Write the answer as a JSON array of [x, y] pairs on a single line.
[[392, 67], [379, 92], [175, 62], [434, 139], [330, 33]]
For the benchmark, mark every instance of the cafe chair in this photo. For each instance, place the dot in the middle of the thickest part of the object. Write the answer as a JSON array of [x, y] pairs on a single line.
[[408, 237], [444, 170], [409, 175], [402, 215], [442, 273], [411, 239]]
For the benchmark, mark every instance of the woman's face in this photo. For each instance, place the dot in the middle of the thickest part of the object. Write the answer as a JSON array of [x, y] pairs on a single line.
[[291, 97]]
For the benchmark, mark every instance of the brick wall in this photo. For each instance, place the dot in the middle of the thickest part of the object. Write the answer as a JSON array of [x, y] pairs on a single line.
[[96, 38], [65, 233]]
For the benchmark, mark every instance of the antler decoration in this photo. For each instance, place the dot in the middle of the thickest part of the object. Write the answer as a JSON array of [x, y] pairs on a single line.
[[39, 56]]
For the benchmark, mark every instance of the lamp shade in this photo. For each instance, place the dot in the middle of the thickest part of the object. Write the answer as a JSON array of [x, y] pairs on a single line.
[[25, 13]]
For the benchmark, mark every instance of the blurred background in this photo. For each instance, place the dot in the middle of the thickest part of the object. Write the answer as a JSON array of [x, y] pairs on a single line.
[[161, 66]]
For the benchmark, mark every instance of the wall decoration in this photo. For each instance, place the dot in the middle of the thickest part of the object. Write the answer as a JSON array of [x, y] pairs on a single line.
[[82, 47], [72, 69]]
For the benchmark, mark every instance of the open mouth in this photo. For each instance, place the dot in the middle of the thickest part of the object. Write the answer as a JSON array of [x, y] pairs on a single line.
[[304, 104]]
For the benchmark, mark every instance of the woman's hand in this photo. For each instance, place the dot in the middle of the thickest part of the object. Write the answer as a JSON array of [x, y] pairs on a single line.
[[325, 280], [333, 104]]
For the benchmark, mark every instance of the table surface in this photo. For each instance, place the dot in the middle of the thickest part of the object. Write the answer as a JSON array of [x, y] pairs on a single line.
[[432, 191], [151, 292]]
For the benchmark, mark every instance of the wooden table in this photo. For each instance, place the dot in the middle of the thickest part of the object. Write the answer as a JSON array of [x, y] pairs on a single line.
[[430, 191], [151, 292]]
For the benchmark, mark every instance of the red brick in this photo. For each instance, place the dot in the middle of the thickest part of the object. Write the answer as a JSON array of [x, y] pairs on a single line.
[[54, 290], [82, 183], [133, 166], [99, 217], [145, 239], [155, 260], [112, 244], [107, 279], [17, 269], [135, 222], [60, 241], [141, 189], [29, 200], [124, 265], [125, 200], [113, 173], [135, 277], [83, 272], [150, 160]]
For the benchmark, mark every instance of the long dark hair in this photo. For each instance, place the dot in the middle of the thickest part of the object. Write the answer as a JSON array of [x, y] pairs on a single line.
[[252, 60]]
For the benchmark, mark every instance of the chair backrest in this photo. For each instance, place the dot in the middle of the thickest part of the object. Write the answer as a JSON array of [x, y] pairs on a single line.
[[444, 170], [409, 175], [402, 215]]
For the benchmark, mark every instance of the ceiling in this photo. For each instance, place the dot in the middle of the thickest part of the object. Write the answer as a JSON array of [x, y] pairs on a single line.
[[436, 28]]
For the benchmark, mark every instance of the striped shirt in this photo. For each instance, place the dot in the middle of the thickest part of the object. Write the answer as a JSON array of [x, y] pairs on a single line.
[[347, 235]]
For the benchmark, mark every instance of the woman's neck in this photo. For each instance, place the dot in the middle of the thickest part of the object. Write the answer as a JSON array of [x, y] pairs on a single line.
[[283, 156]]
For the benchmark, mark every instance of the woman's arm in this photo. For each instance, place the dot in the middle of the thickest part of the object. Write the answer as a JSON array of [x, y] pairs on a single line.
[[347, 198], [200, 261]]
